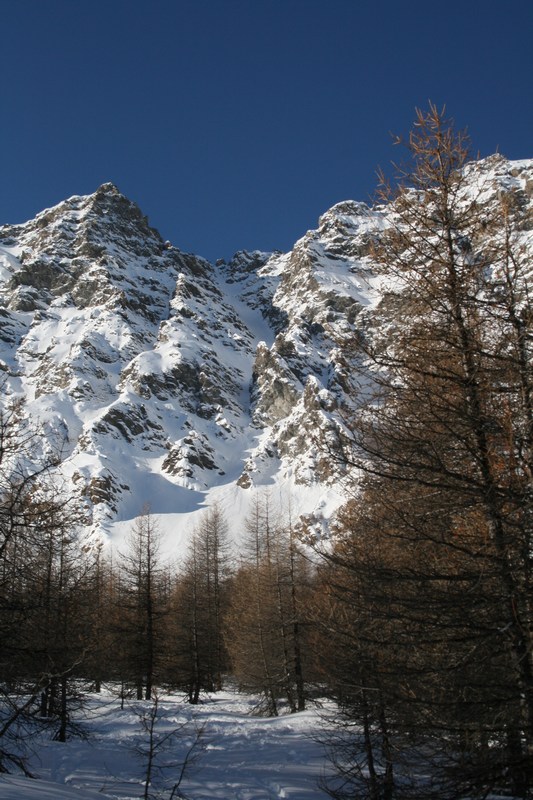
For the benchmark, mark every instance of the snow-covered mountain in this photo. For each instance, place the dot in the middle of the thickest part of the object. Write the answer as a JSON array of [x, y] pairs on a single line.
[[171, 381]]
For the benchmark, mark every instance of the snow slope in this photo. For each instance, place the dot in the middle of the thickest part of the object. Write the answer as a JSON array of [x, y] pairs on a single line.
[[239, 756]]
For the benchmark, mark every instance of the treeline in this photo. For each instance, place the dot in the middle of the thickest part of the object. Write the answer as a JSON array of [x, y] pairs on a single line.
[[74, 613], [417, 618]]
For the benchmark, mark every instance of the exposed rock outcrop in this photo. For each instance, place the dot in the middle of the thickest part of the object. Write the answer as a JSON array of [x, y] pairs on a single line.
[[153, 362]]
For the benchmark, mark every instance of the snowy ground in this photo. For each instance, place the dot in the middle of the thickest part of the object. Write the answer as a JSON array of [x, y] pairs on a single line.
[[238, 756]]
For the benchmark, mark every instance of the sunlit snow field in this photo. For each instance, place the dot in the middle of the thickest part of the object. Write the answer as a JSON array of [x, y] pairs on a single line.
[[238, 756]]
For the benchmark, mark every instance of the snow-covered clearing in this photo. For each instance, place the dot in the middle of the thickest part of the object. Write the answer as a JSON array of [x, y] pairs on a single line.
[[237, 756]]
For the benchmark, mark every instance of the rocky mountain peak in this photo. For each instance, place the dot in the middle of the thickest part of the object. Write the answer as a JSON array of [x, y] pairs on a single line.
[[168, 378], [108, 189], [108, 201]]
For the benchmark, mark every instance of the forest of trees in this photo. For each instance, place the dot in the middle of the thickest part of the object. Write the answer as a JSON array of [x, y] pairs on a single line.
[[416, 618]]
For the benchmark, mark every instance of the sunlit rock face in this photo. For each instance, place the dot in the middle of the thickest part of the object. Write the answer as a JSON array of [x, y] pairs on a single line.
[[157, 373]]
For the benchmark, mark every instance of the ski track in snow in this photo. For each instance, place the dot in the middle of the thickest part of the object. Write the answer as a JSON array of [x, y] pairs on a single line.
[[245, 757]]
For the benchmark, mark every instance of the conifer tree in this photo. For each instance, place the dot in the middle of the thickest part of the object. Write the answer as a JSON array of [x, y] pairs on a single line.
[[43, 569], [198, 607], [143, 606], [445, 507], [263, 626]]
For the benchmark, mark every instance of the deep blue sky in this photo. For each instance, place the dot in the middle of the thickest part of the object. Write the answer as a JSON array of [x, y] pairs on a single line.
[[236, 123]]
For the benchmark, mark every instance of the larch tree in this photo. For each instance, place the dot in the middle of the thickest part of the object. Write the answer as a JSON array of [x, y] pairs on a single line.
[[199, 601], [444, 445], [43, 568], [264, 633], [103, 649], [143, 606]]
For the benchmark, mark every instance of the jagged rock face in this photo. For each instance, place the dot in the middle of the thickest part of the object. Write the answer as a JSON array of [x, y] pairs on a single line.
[[78, 253], [160, 372], [119, 341], [324, 282]]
